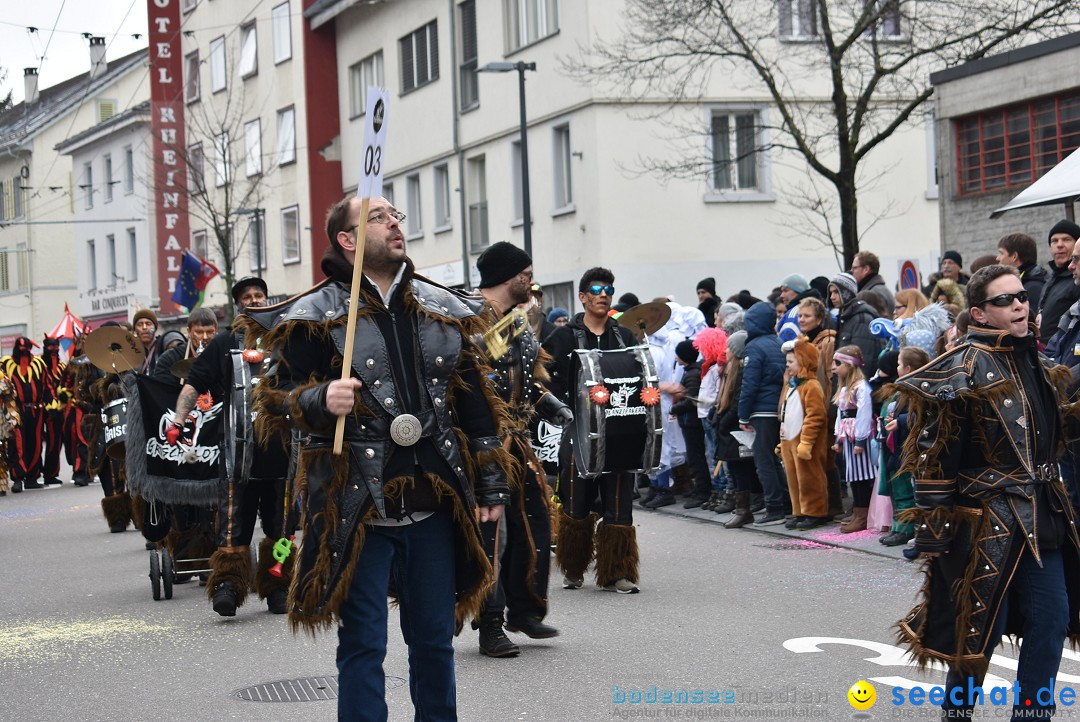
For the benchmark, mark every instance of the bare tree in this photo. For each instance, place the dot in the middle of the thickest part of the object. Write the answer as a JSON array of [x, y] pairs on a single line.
[[873, 56], [5, 101]]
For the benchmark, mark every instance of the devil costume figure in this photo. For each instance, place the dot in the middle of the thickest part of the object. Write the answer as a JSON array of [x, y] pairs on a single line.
[[26, 373], [991, 513], [518, 544], [54, 408], [421, 453], [71, 425]]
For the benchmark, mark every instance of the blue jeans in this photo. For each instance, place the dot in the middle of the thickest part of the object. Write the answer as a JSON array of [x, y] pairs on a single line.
[[420, 557], [1040, 595]]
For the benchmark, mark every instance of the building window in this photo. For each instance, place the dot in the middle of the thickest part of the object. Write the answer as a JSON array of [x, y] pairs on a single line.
[[362, 75], [470, 87], [18, 192], [253, 148], [515, 181], [279, 18], [419, 57], [798, 19], [110, 249], [197, 168], [191, 77], [478, 210], [290, 235], [217, 65], [735, 151], [530, 20], [222, 161], [199, 245], [129, 170], [5, 270], [6, 213], [414, 222], [442, 197], [1012, 147], [564, 188], [388, 192], [249, 51], [256, 241], [188, 5], [91, 264], [887, 21], [286, 136], [108, 178], [133, 256], [88, 184]]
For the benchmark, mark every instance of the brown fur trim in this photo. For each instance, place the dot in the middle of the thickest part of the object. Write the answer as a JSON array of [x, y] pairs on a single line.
[[136, 506], [271, 425], [510, 467], [922, 658], [230, 566], [616, 554], [194, 543], [540, 368], [265, 582], [575, 549], [117, 509]]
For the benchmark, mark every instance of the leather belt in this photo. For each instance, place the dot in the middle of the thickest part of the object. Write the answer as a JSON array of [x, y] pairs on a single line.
[[378, 428]]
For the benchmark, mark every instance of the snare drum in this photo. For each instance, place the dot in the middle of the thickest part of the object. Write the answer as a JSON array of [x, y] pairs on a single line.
[[617, 417], [114, 427]]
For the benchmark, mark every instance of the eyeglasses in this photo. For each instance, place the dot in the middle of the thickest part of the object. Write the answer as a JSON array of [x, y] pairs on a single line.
[[1003, 300], [597, 289], [527, 275], [383, 217]]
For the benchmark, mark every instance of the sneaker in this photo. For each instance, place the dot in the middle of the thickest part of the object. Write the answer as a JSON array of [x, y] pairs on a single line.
[[52, 481], [910, 553], [811, 522], [793, 522], [662, 499], [225, 599], [16, 486], [574, 583], [621, 586], [693, 502], [651, 494], [81, 480], [276, 602], [33, 484], [771, 518], [532, 627]]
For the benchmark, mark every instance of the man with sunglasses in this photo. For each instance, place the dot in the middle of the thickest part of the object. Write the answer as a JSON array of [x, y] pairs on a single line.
[[991, 513], [422, 464], [616, 540]]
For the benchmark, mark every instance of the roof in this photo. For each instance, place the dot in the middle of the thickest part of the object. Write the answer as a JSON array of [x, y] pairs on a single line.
[[118, 120], [1028, 52], [21, 123]]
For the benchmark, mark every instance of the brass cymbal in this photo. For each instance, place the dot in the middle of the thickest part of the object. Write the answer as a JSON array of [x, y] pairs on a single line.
[[114, 350], [181, 368], [646, 319]]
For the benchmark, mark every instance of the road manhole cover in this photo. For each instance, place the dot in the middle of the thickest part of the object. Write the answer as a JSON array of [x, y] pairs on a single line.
[[306, 689], [799, 545]]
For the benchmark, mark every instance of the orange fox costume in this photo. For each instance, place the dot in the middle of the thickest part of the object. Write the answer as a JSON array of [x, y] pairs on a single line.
[[804, 435]]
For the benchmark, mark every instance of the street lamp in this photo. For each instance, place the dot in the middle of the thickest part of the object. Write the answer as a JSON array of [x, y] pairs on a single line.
[[526, 210]]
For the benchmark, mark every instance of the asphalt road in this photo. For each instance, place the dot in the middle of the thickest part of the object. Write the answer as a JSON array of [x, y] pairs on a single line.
[[757, 617]]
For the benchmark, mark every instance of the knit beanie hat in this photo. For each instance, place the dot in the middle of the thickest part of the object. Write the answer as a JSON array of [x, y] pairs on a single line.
[[558, 313], [630, 300], [1065, 226], [846, 284], [686, 351], [736, 344], [709, 284], [501, 262], [796, 282], [144, 313], [954, 257]]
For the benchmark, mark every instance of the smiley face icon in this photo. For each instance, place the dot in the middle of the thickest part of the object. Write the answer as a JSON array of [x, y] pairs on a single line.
[[862, 695]]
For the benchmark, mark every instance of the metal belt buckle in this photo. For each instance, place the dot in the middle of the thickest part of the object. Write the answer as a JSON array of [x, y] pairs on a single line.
[[1048, 472], [405, 429]]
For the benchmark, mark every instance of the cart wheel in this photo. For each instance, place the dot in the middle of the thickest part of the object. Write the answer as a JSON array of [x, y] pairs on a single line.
[[155, 574], [167, 572]]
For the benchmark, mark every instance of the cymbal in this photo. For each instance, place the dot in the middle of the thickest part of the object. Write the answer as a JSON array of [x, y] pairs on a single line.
[[181, 368], [114, 350], [646, 319]]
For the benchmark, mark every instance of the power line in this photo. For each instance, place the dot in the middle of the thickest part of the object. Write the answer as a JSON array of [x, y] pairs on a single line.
[[56, 22]]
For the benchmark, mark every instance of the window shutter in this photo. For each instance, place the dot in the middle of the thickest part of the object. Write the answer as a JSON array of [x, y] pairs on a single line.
[[408, 75], [785, 18], [106, 109], [433, 49]]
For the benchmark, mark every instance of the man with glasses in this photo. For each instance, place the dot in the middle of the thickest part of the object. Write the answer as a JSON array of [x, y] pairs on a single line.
[[866, 267], [991, 512], [616, 541], [422, 465]]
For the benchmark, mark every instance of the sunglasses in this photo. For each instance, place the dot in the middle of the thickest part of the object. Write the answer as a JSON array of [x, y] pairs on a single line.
[[1003, 300], [597, 289]]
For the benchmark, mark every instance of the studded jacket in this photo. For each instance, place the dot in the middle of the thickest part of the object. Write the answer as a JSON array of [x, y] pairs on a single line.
[[982, 450], [412, 357]]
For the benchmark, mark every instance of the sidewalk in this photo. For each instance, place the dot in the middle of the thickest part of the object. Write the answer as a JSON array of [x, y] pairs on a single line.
[[862, 541]]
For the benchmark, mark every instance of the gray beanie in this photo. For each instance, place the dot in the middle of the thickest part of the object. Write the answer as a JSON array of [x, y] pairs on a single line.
[[736, 344], [846, 284], [796, 282]]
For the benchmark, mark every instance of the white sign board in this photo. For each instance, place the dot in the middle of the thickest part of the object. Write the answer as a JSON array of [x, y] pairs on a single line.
[[371, 167]]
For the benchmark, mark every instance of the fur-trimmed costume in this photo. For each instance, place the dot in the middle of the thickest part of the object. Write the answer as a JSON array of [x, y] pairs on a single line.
[[987, 492], [804, 437], [416, 358]]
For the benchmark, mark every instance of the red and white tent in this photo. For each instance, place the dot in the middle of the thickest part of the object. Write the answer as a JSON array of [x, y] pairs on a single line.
[[68, 330]]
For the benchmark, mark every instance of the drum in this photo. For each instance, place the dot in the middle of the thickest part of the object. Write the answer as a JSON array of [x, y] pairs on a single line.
[[617, 417], [114, 418], [240, 447]]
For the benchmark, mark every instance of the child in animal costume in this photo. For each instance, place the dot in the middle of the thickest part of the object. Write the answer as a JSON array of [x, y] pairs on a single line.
[[804, 435]]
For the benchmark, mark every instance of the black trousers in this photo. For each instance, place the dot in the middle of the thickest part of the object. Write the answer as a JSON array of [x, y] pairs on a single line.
[[54, 442], [24, 446], [519, 549], [696, 459], [242, 502]]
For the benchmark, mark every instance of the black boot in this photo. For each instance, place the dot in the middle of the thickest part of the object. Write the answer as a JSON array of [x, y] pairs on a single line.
[[493, 641], [16, 486], [649, 496], [726, 505], [225, 599], [532, 627]]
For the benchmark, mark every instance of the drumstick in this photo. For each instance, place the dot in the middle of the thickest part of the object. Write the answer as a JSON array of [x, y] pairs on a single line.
[[350, 329]]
